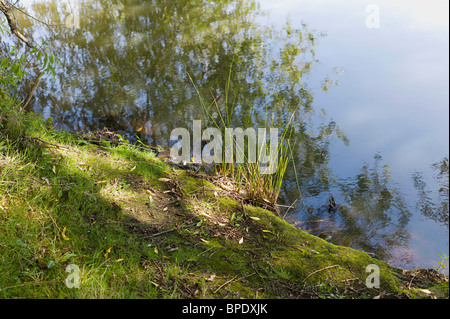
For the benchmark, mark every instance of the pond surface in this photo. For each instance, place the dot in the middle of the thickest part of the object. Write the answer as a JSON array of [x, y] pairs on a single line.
[[371, 125]]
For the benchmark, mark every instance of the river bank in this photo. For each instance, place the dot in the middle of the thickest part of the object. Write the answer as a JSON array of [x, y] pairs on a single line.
[[134, 226]]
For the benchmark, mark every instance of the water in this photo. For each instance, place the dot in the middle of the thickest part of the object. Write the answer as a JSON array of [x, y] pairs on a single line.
[[370, 141], [392, 100]]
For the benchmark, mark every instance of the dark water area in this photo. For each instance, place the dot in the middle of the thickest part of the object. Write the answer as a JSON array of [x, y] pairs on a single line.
[[371, 104]]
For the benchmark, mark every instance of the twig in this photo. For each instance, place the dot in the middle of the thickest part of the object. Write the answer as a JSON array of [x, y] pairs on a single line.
[[42, 141], [166, 231], [315, 272], [349, 279], [289, 207], [58, 185], [226, 282], [47, 183], [207, 250], [12, 23], [231, 280], [161, 233], [409, 285], [30, 283], [31, 93]]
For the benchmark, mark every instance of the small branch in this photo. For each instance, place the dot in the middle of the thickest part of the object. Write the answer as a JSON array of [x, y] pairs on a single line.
[[31, 93], [30, 283], [166, 231], [57, 185], [315, 272], [288, 208], [409, 285], [42, 141], [161, 233], [349, 279], [226, 282], [231, 280], [12, 23], [212, 247]]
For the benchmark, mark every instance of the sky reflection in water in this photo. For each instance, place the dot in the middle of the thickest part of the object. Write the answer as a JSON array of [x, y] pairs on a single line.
[[392, 99]]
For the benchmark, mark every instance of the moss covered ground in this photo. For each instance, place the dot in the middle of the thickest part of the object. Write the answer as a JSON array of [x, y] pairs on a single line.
[[136, 226]]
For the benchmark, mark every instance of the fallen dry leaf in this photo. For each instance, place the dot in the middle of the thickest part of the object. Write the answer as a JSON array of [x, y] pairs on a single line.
[[225, 187], [426, 291], [205, 214], [107, 252], [63, 234]]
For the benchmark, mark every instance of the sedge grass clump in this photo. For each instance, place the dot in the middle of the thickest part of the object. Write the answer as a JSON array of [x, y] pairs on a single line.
[[250, 175]]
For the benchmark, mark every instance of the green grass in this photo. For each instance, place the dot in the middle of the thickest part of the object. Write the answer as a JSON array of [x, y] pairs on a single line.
[[138, 228], [46, 189]]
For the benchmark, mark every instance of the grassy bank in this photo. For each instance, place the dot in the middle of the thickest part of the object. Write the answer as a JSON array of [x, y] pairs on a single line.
[[138, 227]]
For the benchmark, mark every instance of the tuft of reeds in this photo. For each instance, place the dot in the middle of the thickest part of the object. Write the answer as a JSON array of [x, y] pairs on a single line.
[[248, 178]]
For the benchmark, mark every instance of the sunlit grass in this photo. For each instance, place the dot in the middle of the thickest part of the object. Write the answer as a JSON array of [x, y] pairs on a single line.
[[67, 202], [56, 209]]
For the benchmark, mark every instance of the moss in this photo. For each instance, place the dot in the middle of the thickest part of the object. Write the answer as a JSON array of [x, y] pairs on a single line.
[[440, 291], [291, 254], [228, 203], [195, 186], [308, 257]]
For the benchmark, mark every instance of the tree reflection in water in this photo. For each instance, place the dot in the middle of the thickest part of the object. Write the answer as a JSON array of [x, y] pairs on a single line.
[[433, 204], [371, 213]]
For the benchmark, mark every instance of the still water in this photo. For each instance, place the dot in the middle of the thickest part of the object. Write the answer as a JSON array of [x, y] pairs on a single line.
[[371, 125]]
